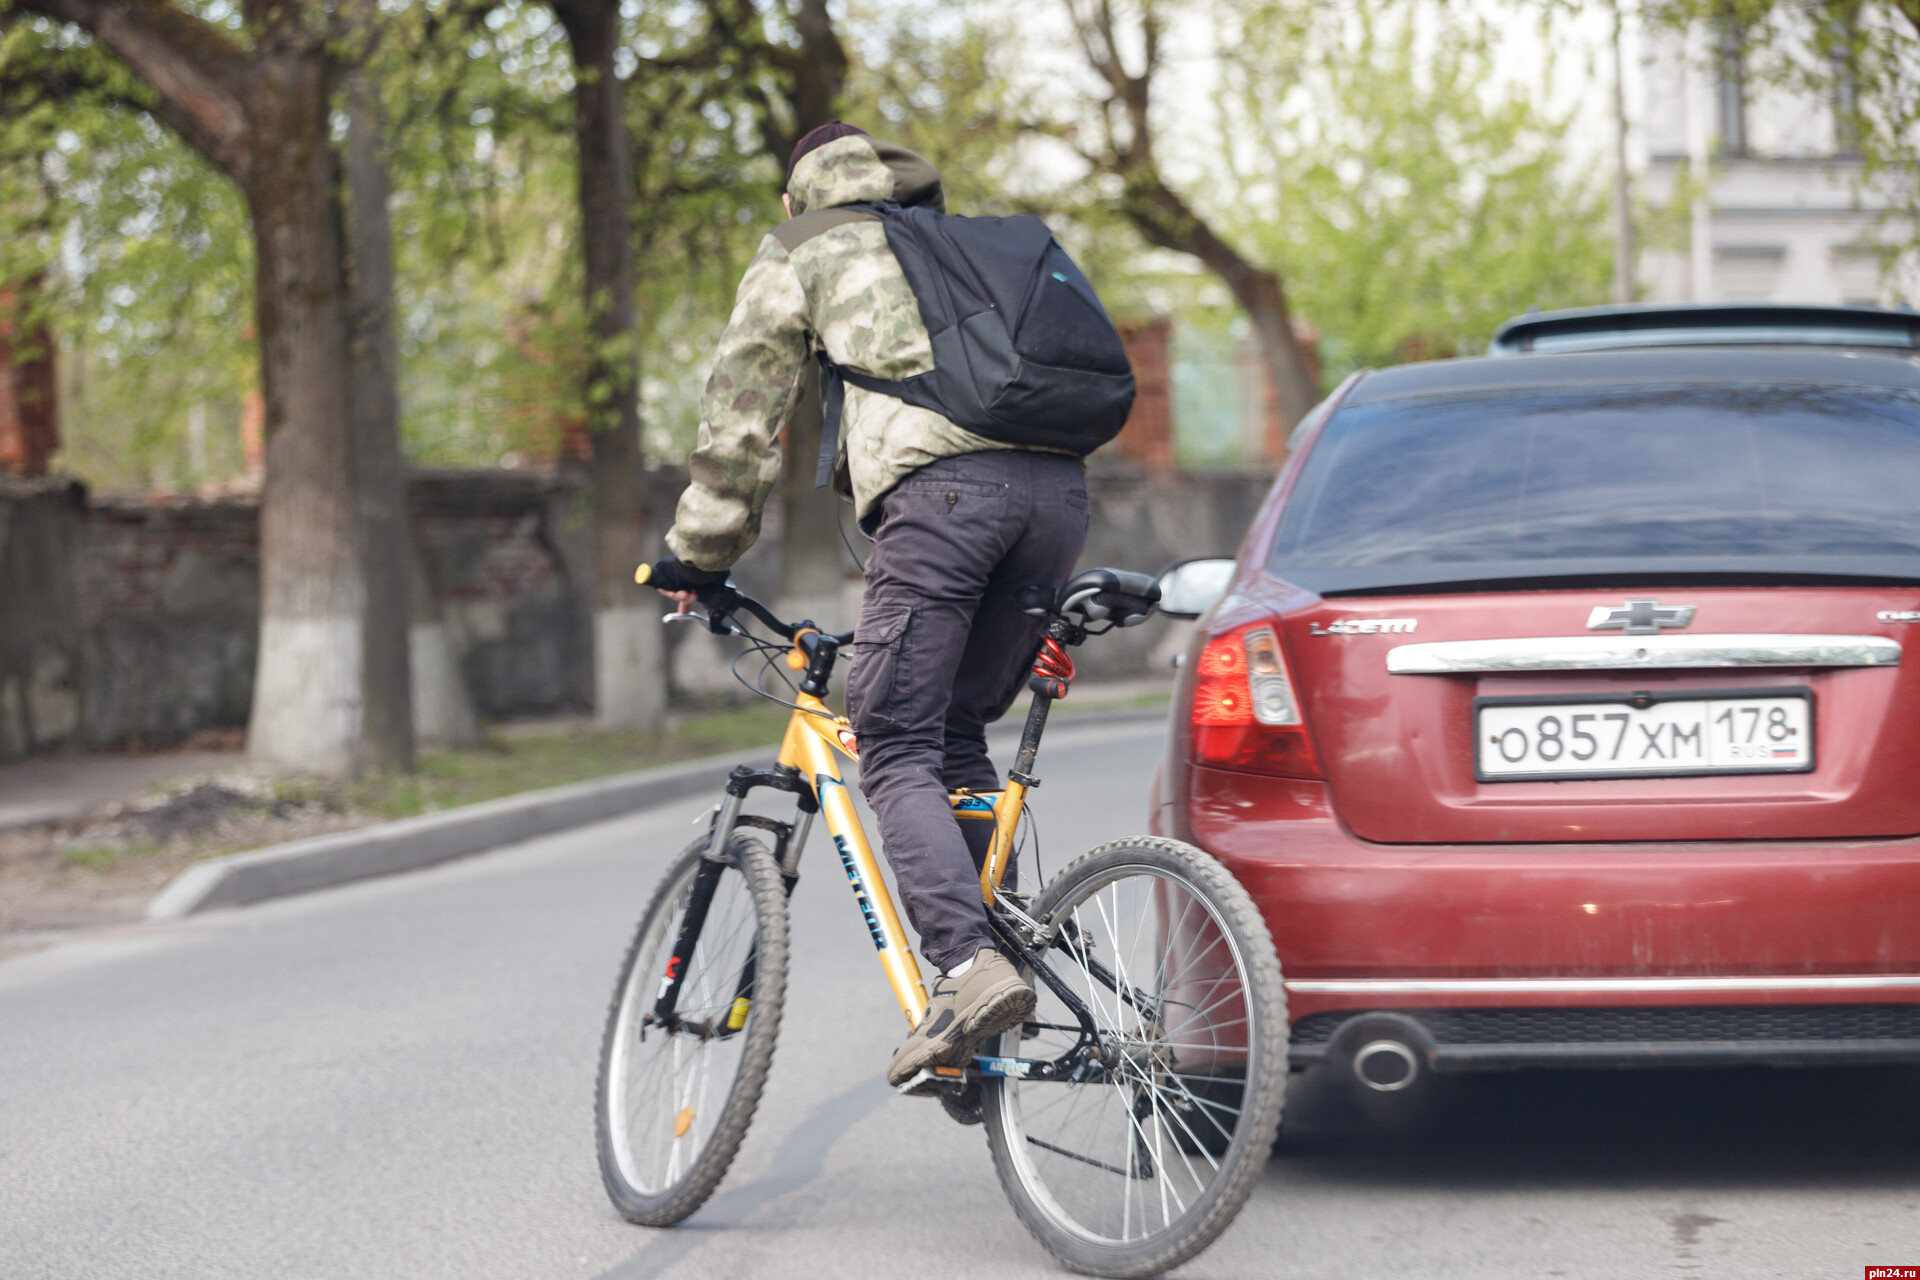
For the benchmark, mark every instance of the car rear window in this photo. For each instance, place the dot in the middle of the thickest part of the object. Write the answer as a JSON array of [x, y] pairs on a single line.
[[1703, 482]]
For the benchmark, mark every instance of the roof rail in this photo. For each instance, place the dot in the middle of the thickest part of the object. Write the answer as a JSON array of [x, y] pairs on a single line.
[[1692, 324]]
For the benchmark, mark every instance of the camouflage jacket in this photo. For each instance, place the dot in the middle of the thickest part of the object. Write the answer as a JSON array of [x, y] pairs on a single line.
[[825, 279]]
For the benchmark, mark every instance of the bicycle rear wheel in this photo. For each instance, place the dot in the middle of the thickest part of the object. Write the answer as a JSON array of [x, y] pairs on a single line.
[[673, 1104], [1139, 1167]]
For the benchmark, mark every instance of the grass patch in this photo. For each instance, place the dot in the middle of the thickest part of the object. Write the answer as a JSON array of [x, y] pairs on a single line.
[[506, 765], [103, 856], [1156, 700]]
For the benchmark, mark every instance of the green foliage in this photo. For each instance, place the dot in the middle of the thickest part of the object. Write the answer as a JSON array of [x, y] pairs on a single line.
[[1411, 202], [143, 259], [705, 191], [1408, 204], [491, 329]]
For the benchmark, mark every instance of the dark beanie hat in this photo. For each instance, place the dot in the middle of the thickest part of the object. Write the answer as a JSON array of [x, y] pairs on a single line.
[[820, 137]]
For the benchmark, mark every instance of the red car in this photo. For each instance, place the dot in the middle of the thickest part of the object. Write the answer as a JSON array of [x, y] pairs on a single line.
[[1555, 709]]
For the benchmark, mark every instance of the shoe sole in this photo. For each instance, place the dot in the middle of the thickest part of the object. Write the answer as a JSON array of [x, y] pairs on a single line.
[[955, 1046], [1000, 1010]]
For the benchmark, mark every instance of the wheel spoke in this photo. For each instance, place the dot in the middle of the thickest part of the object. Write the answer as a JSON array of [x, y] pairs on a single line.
[[1165, 946]]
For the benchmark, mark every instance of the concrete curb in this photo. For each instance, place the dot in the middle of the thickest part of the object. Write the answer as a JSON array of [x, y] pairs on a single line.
[[320, 862]]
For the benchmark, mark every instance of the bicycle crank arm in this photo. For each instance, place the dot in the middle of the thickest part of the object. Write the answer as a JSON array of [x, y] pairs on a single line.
[[1073, 1068]]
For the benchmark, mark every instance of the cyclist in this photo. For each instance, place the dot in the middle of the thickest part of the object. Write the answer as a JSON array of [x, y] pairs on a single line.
[[959, 523]]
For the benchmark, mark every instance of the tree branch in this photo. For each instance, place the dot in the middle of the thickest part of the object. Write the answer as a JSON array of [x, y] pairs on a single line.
[[194, 69]]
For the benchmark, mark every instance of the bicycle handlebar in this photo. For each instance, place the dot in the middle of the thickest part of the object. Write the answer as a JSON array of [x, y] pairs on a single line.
[[723, 599]]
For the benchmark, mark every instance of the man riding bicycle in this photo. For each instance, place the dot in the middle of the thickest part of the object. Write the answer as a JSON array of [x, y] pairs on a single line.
[[960, 522]]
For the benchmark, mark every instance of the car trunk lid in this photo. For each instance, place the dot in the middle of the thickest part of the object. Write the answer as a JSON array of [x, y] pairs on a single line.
[[1399, 692]]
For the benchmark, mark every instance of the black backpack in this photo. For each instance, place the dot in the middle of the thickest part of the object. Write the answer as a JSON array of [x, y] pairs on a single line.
[[1023, 352]]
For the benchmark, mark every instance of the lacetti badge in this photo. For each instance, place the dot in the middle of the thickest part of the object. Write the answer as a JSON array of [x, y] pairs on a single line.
[[1364, 627], [1639, 617]]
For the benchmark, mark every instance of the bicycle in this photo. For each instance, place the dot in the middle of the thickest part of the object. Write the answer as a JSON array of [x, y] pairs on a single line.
[[1128, 1118]]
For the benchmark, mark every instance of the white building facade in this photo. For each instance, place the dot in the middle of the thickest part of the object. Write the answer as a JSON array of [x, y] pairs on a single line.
[[1765, 201]]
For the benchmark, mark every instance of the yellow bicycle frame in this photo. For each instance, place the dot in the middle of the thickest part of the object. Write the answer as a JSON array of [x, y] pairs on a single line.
[[814, 736]]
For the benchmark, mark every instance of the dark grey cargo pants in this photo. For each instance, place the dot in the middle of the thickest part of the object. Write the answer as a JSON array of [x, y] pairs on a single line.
[[943, 652]]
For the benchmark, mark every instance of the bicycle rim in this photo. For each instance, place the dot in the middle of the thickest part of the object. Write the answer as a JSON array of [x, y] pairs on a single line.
[[668, 1099], [1135, 1163]]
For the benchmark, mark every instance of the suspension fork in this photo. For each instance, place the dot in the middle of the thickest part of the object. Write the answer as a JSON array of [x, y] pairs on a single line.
[[705, 881], [713, 864], [792, 840]]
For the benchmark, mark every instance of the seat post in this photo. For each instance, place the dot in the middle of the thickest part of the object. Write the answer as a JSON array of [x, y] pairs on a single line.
[[1052, 676], [1022, 771]]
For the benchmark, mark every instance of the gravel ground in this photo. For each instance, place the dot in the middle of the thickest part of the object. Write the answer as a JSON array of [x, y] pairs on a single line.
[[101, 869]]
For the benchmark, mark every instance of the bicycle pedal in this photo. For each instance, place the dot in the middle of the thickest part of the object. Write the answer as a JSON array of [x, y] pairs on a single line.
[[931, 1082]]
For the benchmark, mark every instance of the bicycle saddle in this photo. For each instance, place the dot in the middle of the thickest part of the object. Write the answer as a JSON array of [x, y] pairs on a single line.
[[1117, 596]]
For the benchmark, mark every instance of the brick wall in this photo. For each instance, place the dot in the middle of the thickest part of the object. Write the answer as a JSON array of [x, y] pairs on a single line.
[[168, 605], [40, 660], [506, 556], [1147, 440], [29, 419]]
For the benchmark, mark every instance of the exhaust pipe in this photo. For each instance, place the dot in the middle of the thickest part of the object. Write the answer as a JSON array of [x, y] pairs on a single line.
[[1386, 1066]]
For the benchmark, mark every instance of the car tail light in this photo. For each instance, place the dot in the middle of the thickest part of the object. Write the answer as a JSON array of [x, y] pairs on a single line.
[[1245, 713]]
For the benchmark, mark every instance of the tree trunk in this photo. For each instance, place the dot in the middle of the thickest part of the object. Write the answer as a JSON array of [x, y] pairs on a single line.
[[820, 72], [629, 670], [387, 727], [1164, 219], [812, 560], [259, 112], [307, 704]]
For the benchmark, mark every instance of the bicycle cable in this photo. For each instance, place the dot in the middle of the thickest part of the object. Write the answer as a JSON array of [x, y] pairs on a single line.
[[840, 523]]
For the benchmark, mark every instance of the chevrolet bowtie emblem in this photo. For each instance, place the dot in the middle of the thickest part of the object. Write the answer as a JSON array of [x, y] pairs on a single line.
[[1639, 617]]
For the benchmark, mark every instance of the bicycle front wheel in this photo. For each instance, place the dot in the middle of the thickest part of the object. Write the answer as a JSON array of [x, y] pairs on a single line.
[[674, 1100], [1143, 1162]]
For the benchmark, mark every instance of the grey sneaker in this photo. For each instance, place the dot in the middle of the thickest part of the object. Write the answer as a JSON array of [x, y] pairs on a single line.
[[961, 1012]]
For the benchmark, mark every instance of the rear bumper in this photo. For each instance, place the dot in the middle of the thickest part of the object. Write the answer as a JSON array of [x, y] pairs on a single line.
[[1499, 1039], [1412, 928]]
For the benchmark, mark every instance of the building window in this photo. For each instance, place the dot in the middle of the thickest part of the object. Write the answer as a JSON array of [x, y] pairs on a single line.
[[1856, 269], [1747, 272]]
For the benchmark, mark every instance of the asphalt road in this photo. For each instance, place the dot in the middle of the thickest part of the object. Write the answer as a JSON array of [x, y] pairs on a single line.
[[394, 1079]]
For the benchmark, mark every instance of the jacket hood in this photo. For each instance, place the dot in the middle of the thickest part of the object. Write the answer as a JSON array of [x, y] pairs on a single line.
[[859, 169]]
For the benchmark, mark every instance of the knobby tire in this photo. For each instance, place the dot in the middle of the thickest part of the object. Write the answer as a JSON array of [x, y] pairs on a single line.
[[750, 860]]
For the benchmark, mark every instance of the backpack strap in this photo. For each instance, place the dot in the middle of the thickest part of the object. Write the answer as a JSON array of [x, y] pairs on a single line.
[[833, 401], [833, 396], [833, 379]]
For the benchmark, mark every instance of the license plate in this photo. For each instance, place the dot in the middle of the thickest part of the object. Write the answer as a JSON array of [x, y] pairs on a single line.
[[1643, 735]]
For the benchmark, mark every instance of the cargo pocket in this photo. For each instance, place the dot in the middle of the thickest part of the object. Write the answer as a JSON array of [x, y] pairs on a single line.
[[880, 685]]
